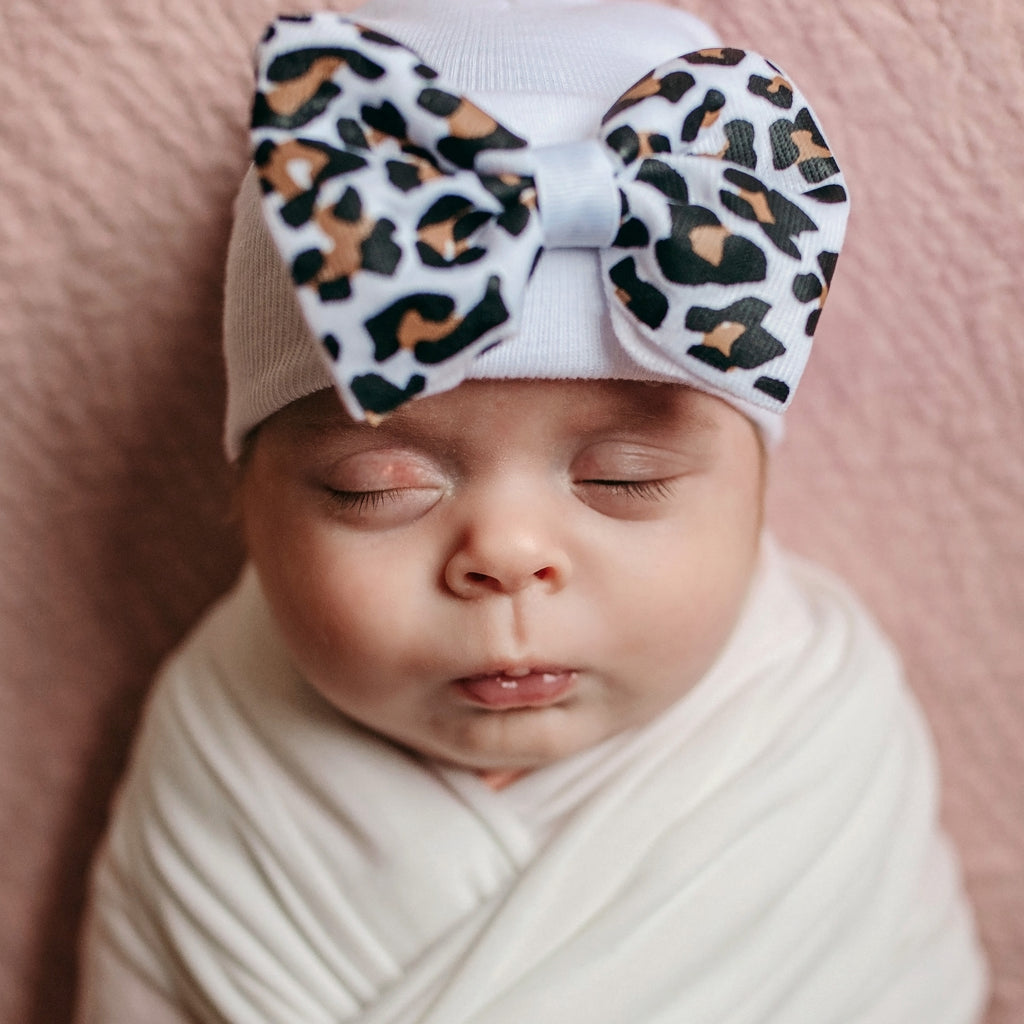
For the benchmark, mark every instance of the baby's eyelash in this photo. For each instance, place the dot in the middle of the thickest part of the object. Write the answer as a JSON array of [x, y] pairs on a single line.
[[649, 489], [362, 501]]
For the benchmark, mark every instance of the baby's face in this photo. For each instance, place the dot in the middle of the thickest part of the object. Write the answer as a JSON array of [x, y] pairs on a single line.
[[510, 572]]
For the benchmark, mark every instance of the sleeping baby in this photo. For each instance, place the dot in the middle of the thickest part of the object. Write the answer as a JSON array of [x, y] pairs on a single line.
[[515, 713]]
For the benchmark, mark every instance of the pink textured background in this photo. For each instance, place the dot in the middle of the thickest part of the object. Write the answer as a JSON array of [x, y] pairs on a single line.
[[122, 133]]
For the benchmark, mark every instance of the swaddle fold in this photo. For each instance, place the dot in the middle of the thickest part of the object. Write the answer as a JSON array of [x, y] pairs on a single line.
[[765, 852]]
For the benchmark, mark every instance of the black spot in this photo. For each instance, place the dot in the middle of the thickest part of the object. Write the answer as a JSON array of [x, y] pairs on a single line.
[[351, 133], [405, 177], [514, 219], [781, 96], [299, 209], [727, 57], [754, 347], [487, 314], [625, 142], [375, 394], [740, 136], [372, 36], [807, 287], [675, 85], [385, 119], [773, 388], [465, 218], [741, 261], [332, 346], [307, 265], [509, 192], [787, 219], [446, 208], [383, 328], [379, 253], [828, 194], [785, 151], [632, 233], [827, 261], [642, 299], [439, 102], [463, 152], [671, 87], [296, 63], [665, 179], [420, 154], [334, 291], [349, 207], [264, 116], [713, 101]]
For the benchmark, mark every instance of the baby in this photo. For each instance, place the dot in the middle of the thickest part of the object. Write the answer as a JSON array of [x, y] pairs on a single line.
[[515, 714]]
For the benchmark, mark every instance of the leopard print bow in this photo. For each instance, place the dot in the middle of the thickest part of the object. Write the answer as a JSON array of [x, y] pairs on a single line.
[[412, 221]]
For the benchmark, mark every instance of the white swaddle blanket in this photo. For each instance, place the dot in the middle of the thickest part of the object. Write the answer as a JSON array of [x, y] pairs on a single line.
[[765, 852]]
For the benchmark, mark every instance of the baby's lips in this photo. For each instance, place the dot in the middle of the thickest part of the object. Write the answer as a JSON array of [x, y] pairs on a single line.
[[518, 687]]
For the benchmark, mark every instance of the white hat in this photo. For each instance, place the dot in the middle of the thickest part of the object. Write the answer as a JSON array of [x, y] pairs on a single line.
[[545, 70]]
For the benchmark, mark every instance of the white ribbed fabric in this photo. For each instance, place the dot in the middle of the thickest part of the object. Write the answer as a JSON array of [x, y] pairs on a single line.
[[547, 69], [766, 851]]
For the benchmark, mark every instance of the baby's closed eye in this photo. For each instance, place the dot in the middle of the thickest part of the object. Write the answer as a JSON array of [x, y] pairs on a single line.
[[382, 487]]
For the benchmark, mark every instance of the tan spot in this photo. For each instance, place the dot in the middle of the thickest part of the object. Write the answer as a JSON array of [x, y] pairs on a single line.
[[441, 238], [425, 170], [808, 148], [777, 84], [710, 117], [649, 86], [278, 173], [712, 53], [823, 296], [708, 242], [345, 258], [759, 201], [373, 419], [470, 122], [413, 329], [290, 96], [646, 149], [724, 336], [623, 296]]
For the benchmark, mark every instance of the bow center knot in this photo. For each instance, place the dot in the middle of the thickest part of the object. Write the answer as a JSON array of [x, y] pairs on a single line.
[[577, 197]]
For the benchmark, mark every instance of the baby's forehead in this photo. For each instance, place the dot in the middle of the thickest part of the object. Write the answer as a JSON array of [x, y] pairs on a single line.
[[485, 407]]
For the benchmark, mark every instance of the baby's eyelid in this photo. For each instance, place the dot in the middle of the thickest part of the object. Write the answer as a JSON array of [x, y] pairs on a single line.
[[379, 494], [377, 471]]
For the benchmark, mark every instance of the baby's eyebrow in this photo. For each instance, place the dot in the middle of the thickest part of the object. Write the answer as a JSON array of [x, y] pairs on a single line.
[[666, 410], [318, 430]]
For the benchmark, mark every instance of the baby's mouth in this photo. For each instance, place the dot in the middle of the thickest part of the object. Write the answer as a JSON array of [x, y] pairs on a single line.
[[526, 687]]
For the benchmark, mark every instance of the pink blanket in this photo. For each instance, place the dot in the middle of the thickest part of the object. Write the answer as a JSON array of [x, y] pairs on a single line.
[[123, 134]]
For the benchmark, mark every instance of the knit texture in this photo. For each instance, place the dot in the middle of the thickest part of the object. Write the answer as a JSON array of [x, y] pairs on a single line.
[[547, 71]]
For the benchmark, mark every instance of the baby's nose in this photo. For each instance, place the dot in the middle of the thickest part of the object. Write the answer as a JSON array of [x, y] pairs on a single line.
[[507, 554]]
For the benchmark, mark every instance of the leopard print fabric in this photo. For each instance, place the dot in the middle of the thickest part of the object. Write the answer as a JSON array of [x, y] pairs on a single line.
[[411, 229]]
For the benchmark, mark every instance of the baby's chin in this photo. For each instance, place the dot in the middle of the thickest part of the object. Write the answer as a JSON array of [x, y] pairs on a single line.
[[520, 741]]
